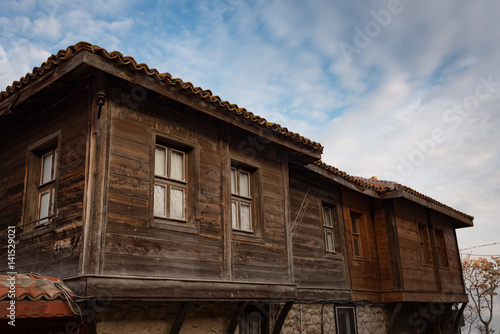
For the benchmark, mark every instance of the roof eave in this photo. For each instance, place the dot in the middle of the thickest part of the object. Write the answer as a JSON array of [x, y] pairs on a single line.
[[403, 194], [172, 92], [36, 86], [342, 181]]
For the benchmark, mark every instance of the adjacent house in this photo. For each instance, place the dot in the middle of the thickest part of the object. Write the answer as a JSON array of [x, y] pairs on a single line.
[[171, 210]]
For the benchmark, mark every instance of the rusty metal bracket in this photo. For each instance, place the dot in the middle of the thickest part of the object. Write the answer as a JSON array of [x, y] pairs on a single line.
[[100, 101]]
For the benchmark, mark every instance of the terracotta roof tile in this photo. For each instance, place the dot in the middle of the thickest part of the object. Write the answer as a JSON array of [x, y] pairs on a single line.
[[35, 297], [64, 55], [33, 288], [383, 186]]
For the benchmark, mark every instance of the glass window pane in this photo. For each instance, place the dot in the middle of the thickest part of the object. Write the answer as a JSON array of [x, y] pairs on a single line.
[[346, 320], [246, 220], [177, 165], [357, 250], [159, 201], [46, 174], [328, 217], [329, 241], [244, 184], [177, 203], [233, 181], [234, 214], [43, 210], [354, 221], [160, 160]]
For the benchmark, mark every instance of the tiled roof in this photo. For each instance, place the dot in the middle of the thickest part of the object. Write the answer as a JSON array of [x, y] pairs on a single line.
[[36, 297], [383, 186], [63, 56]]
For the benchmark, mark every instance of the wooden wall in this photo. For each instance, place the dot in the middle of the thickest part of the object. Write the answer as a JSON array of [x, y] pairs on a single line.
[[56, 250], [383, 245], [313, 266], [416, 275], [134, 247], [451, 278], [365, 272]]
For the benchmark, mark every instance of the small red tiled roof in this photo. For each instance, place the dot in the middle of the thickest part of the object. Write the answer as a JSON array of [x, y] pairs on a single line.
[[35, 297], [383, 186], [63, 56]]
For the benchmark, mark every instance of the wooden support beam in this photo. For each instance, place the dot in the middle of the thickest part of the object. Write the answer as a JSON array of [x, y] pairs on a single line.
[[394, 316], [456, 324], [282, 317], [236, 316], [95, 199], [181, 316], [446, 315]]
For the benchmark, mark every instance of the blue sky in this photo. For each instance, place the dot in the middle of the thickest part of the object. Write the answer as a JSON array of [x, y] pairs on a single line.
[[403, 90]]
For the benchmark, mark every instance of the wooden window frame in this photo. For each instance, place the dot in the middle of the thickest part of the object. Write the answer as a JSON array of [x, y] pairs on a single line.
[[189, 184], [424, 245], [254, 200], [442, 254], [329, 230], [352, 319], [35, 186], [169, 183], [241, 200], [357, 236]]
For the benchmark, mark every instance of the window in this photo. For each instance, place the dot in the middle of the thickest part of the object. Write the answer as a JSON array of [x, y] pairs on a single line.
[[41, 183], [425, 247], [356, 227], [346, 320], [441, 248], [170, 183], [46, 187], [328, 226], [241, 199]]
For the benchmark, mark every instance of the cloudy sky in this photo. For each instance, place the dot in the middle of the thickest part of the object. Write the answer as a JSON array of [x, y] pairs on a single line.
[[403, 90]]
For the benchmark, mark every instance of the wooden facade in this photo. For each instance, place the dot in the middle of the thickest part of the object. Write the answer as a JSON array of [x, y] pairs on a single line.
[[300, 232]]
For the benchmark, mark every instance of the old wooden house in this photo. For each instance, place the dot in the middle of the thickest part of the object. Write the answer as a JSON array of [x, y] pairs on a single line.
[[174, 211]]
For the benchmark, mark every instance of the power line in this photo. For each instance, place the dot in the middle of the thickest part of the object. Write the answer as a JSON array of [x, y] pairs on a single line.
[[495, 243], [480, 254]]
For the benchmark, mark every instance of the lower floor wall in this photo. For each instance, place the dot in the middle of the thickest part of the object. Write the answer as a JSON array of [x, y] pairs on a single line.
[[260, 318]]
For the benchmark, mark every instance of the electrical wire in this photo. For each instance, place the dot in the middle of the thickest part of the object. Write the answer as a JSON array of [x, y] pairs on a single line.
[[479, 254], [75, 308], [495, 243]]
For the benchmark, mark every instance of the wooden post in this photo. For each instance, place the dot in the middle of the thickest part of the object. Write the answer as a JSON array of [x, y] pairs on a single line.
[[392, 236], [96, 180], [286, 208], [225, 184]]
